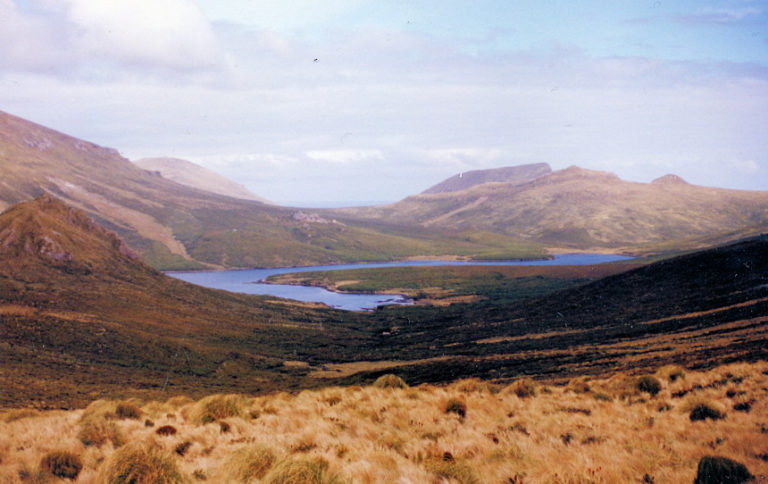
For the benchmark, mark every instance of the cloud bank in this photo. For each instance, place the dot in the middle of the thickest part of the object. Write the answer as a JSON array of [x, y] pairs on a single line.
[[375, 113]]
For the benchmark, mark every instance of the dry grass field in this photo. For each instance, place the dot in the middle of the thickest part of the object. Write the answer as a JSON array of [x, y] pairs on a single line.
[[619, 429]]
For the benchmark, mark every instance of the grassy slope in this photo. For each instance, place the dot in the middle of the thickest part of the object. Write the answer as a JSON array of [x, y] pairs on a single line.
[[583, 431], [442, 285], [585, 209], [178, 227]]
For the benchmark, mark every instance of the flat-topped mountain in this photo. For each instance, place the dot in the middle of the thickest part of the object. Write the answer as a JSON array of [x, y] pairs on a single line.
[[196, 176], [511, 174], [584, 209], [174, 226]]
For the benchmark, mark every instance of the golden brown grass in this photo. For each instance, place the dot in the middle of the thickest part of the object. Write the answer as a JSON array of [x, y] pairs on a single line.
[[593, 430]]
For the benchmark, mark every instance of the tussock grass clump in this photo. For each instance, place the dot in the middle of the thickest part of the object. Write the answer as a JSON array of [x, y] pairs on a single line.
[[475, 385], [99, 410], [454, 405], [523, 388], [390, 381], [648, 384], [140, 464], [18, 414], [579, 385], [671, 373], [720, 470], [127, 410], [99, 432], [249, 463], [451, 469], [178, 401], [62, 464], [704, 411], [217, 407], [300, 471]]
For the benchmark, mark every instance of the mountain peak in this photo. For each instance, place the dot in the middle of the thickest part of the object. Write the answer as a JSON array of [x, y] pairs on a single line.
[[47, 233], [670, 179], [515, 175], [577, 173]]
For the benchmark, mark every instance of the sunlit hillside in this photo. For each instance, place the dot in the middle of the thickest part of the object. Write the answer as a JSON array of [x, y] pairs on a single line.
[[652, 428]]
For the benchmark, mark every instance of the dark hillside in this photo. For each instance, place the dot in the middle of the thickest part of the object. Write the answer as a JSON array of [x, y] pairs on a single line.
[[694, 309]]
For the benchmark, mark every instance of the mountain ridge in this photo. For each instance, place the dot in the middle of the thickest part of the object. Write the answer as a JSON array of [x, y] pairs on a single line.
[[584, 209], [509, 174], [191, 174]]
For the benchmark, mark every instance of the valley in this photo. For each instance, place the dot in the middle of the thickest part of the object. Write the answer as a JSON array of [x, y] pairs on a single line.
[[517, 363]]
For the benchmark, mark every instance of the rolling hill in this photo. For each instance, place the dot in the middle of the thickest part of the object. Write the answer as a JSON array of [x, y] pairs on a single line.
[[582, 209], [176, 226], [193, 175], [514, 175], [82, 317]]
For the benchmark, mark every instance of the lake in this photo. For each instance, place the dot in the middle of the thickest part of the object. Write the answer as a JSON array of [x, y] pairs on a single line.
[[249, 281]]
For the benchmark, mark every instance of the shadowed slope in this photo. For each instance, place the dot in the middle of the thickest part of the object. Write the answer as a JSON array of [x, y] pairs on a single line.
[[80, 313]]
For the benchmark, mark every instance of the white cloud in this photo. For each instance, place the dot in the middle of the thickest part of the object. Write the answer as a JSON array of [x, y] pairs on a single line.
[[94, 37], [747, 167], [345, 156], [171, 33]]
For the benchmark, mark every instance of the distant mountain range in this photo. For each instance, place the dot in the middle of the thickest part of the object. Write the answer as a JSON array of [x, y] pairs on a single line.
[[504, 213], [581, 209], [193, 175], [175, 226]]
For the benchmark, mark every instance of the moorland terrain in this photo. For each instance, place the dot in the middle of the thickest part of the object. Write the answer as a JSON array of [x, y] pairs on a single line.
[[555, 356], [623, 429]]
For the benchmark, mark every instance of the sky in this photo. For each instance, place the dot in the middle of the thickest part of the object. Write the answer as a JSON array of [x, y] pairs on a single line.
[[344, 102]]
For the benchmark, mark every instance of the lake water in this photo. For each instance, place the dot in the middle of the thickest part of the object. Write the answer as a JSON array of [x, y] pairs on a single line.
[[249, 281]]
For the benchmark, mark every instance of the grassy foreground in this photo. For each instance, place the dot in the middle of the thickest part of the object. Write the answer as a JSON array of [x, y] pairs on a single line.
[[612, 430]]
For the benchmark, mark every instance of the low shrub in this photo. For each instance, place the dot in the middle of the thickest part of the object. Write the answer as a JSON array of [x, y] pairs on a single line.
[[182, 447], [390, 381], [62, 464], [454, 405], [704, 411], [98, 432], [166, 430], [720, 470], [140, 464], [250, 463], [649, 384], [744, 406]]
